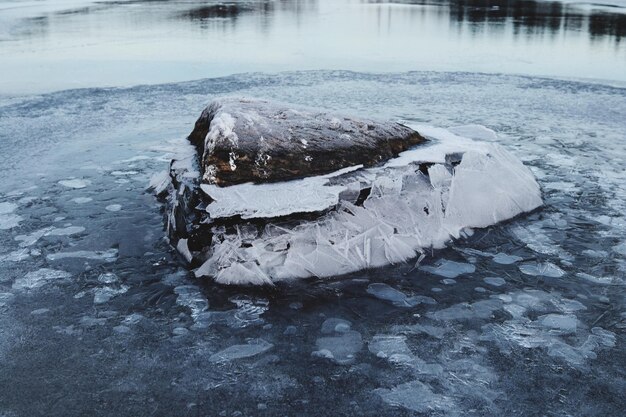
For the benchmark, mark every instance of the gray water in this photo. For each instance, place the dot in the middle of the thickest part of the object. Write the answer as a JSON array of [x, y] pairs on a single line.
[[99, 317]]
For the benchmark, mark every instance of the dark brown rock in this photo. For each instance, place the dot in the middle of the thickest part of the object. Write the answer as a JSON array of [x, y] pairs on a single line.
[[248, 140]]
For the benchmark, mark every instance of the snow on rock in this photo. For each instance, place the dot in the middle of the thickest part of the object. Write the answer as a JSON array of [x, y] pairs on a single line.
[[243, 140]]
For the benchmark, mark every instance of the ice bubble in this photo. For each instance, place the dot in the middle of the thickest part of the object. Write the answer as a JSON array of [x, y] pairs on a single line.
[[7, 208], [252, 348], [190, 296], [9, 221], [121, 329], [6, 298], [108, 278], [478, 132], [290, 330], [334, 324], [562, 323], [417, 396], [75, 183], [432, 331], [15, 256], [504, 259], [32, 238], [89, 321], [495, 281], [339, 349], [545, 269], [388, 293], [465, 311], [449, 269], [388, 346], [39, 278], [124, 173], [621, 248], [82, 200], [594, 279], [113, 207], [105, 294], [109, 255], [595, 253]]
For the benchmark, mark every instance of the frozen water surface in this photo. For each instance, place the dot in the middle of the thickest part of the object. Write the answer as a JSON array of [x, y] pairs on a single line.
[[130, 328]]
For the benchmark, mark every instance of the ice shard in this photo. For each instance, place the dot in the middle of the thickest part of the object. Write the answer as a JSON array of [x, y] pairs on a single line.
[[266, 192]]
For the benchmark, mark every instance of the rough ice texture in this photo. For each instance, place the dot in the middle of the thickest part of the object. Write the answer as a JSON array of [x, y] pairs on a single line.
[[248, 140], [39, 278], [346, 220], [252, 348]]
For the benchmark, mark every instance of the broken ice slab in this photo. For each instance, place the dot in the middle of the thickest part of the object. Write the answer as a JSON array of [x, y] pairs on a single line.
[[39, 278], [417, 396], [252, 348], [544, 269], [255, 220], [449, 269], [388, 293], [341, 349]]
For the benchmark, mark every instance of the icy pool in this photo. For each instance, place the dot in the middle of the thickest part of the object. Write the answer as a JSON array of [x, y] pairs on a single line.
[[98, 316]]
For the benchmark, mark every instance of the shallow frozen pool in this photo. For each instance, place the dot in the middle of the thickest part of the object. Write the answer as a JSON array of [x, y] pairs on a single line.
[[97, 315]]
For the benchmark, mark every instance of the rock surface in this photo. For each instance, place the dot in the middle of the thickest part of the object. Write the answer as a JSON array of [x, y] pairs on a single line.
[[248, 140]]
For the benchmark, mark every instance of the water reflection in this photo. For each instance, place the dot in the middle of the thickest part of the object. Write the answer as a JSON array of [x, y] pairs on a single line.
[[528, 18], [132, 42]]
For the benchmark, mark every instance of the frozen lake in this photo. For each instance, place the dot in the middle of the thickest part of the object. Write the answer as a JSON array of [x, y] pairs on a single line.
[[99, 317], [51, 45]]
